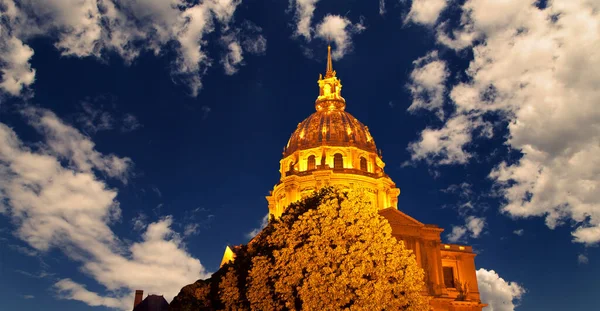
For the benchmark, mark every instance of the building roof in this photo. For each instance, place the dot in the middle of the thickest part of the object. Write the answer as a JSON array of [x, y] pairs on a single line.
[[153, 303], [330, 128]]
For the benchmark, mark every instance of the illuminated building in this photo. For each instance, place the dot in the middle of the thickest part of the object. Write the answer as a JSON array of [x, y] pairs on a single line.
[[331, 147]]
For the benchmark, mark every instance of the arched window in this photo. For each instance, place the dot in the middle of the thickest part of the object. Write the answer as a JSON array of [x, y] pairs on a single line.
[[363, 164], [338, 161], [312, 162], [291, 167]]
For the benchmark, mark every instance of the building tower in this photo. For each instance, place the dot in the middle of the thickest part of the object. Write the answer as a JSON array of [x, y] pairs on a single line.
[[331, 147]]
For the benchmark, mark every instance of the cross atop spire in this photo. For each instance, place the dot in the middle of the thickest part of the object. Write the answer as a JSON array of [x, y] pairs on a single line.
[[329, 72]]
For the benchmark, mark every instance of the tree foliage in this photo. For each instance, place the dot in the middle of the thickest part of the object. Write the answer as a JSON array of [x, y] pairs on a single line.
[[331, 251]]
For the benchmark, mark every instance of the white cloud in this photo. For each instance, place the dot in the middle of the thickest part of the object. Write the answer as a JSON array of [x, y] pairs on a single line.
[[447, 145], [191, 229], [263, 223], [17, 72], [28, 296], [68, 143], [331, 28], [95, 27], [426, 11], [499, 294], [339, 30], [536, 69], [473, 226], [56, 200], [305, 9], [427, 84], [381, 7], [233, 58], [457, 234], [519, 232], [67, 289], [582, 259]]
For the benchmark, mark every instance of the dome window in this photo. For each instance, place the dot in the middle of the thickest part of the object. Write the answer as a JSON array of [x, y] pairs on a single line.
[[312, 162], [338, 161], [363, 164]]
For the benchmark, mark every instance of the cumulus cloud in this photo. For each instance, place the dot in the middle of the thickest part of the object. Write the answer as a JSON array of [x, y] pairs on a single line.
[[427, 84], [67, 143], [331, 28], [304, 11], [448, 144], [535, 68], [500, 295], [457, 234], [426, 11], [248, 38], [56, 198], [339, 30], [93, 28], [67, 289], [473, 226], [16, 72]]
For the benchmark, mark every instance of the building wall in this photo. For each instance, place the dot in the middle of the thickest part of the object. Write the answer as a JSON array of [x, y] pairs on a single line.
[[297, 181], [431, 254]]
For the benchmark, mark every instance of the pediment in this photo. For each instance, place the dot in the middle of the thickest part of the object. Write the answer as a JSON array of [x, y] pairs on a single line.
[[398, 218]]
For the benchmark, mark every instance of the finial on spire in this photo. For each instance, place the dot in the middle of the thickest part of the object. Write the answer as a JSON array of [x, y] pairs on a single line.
[[329, 72]]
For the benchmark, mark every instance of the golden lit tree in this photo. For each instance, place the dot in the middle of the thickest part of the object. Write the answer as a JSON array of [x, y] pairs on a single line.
[[331, 251], [338, 255], [229, 292]]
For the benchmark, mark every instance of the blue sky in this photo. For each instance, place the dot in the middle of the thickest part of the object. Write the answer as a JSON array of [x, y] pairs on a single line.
[[139, 138]]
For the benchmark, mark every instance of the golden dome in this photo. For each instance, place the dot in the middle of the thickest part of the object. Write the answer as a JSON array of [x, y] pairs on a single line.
[[331, 125], [330, 128]]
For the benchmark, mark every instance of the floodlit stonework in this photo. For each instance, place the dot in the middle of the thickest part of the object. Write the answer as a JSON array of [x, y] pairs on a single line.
[[331, 147]]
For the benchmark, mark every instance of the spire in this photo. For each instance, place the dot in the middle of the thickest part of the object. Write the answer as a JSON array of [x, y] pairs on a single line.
[[330, 87], [329, 72]]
